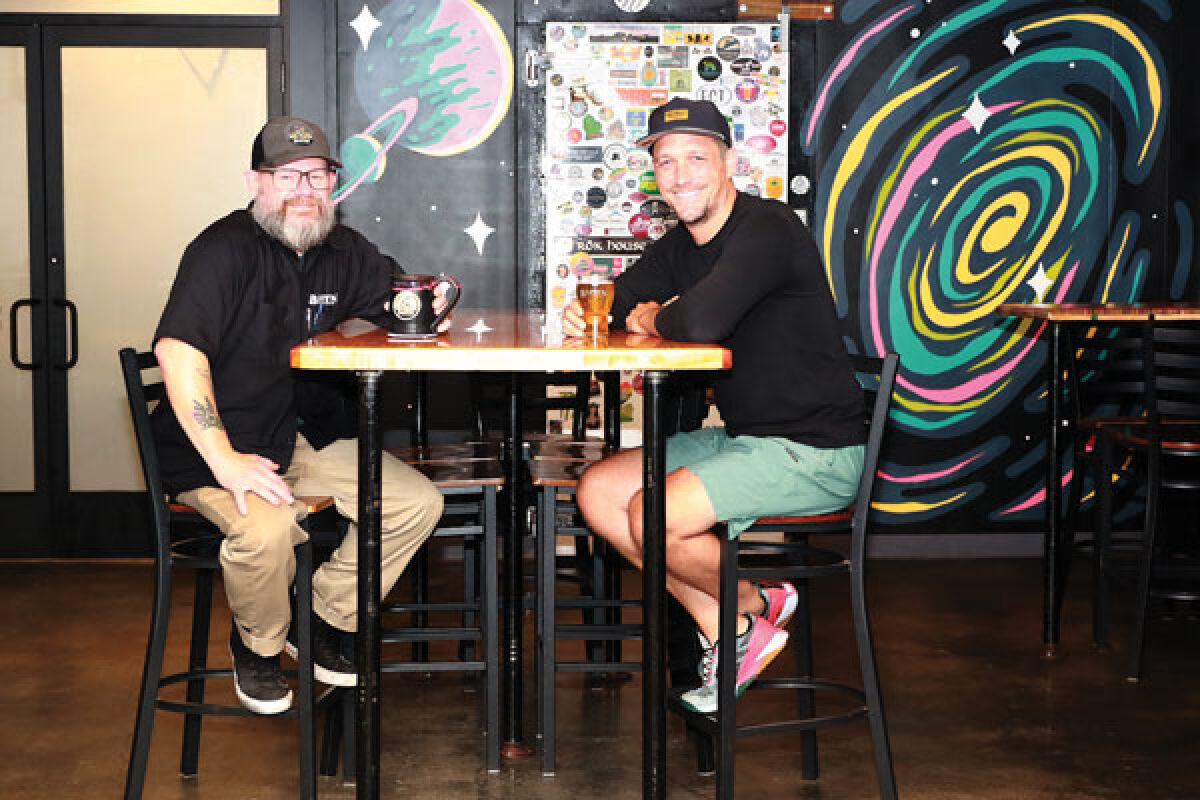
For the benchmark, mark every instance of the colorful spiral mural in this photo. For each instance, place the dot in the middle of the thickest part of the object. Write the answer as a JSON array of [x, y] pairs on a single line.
[[987, 163]]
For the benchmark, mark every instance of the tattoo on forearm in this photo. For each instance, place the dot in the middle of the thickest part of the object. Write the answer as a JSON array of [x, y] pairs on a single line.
[[205, 414]]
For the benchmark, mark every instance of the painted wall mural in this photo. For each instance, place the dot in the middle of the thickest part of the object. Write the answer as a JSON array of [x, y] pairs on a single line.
[[950, 155], [435, 77], [995, 157]]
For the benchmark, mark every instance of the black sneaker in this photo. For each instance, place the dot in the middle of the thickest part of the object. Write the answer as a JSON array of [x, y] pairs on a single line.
[[258, 681], [329, 665]]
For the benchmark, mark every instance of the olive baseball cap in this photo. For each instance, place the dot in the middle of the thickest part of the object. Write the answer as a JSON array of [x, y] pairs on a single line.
[[286, 139], [681, 115]]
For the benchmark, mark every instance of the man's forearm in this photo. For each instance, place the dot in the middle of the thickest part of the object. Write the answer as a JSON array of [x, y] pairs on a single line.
[[188, 378]]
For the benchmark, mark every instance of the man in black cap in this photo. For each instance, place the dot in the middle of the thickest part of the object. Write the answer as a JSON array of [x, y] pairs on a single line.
[[243, 435], [742, 271]]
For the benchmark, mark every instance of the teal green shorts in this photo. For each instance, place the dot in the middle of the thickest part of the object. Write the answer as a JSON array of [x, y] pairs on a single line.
[[747, 477]]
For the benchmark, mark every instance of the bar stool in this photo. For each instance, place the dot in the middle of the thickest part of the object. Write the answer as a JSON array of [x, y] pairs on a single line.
[[470, 487], [1159, 451], [798, 561], [184, 539]]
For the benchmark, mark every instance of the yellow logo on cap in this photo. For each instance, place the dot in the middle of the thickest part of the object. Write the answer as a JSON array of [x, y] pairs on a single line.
[[300, 135], [679, 113]]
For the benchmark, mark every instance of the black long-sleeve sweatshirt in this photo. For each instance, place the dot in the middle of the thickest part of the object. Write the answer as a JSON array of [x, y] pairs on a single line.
[[757, 288]]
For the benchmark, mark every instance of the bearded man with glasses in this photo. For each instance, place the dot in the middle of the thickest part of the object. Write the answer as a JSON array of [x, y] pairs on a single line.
[[243, 434]]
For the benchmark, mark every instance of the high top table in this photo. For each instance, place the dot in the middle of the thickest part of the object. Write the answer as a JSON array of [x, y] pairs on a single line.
[[1056, 315], [515, 342]]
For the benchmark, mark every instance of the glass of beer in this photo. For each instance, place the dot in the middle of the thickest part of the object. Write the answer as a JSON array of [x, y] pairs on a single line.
[[595, 293]]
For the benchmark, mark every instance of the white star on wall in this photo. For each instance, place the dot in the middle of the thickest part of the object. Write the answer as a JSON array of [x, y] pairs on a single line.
[[1011, 42], [364, 25], [977, 114], [479, 232], [1040, 283]]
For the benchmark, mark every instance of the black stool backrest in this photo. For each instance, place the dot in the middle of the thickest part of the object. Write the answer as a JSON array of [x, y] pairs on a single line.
[[142, 398], [1173, 376], [1107, 374], [878, 377]]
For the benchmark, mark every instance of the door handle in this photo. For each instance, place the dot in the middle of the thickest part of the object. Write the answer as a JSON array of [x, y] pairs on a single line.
[[12, 338], [73, 318]]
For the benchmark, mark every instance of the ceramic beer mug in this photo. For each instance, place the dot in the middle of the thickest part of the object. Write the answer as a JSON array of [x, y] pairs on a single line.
[[412, 304]]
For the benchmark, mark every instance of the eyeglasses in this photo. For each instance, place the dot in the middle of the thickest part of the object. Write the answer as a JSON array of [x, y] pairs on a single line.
[[288, 180]]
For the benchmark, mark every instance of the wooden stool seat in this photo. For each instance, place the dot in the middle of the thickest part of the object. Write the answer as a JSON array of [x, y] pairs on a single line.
[[446, 452]]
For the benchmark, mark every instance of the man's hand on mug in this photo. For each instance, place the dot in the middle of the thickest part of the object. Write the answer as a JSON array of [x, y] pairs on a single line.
[[572, 319], [439, 302]]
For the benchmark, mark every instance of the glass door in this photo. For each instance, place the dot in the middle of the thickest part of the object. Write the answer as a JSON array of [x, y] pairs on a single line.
[[148, 131]]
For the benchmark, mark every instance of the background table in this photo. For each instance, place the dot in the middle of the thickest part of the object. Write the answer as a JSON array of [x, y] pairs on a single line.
[[514, 342], [1057, 553]]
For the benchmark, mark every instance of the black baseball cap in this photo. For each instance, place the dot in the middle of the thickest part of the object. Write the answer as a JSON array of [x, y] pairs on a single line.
[[681, 115], [286, 139]]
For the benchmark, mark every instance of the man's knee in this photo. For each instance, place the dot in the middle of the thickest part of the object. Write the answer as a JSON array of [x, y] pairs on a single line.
[[637, 505], [262, 539], [417, 501]]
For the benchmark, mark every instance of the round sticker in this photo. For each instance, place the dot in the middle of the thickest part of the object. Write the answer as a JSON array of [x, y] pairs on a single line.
[[596, 197], [655, 208], [639, 226], [761, 143], [728, 48], [777, 127], [746, 66], [580, 262], [747, 90], [615, 155], [708, 68], [574, 136]]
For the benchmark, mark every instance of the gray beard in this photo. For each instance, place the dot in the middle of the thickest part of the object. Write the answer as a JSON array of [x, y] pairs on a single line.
[[298, 235]]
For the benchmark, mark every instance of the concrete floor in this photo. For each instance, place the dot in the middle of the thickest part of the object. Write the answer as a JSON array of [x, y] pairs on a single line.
[[973, 712]]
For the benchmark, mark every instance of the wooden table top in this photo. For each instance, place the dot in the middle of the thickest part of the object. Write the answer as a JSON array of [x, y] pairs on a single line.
[[515, 343], [1101, 312]]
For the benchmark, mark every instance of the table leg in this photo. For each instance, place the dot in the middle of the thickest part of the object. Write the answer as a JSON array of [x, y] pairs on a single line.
[[654, 581], [369, 571], [1051, 599], [514, 589]]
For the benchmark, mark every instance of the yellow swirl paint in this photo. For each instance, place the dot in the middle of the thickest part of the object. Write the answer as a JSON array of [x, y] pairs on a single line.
[[914, 507], [854, 155], [1153, 82]]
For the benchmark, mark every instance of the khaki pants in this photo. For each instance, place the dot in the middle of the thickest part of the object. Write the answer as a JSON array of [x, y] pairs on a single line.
[[258, 562]]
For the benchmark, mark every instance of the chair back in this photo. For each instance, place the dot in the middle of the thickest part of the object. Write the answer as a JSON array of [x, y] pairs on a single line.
[[878, 378], [143, 397], [1173, 382], [1107, 378]]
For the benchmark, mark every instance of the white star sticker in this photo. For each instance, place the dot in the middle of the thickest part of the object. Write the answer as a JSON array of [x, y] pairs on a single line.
[[364, 25], [977, 114], [479, 232], [1011, 42], [1040, 283]]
